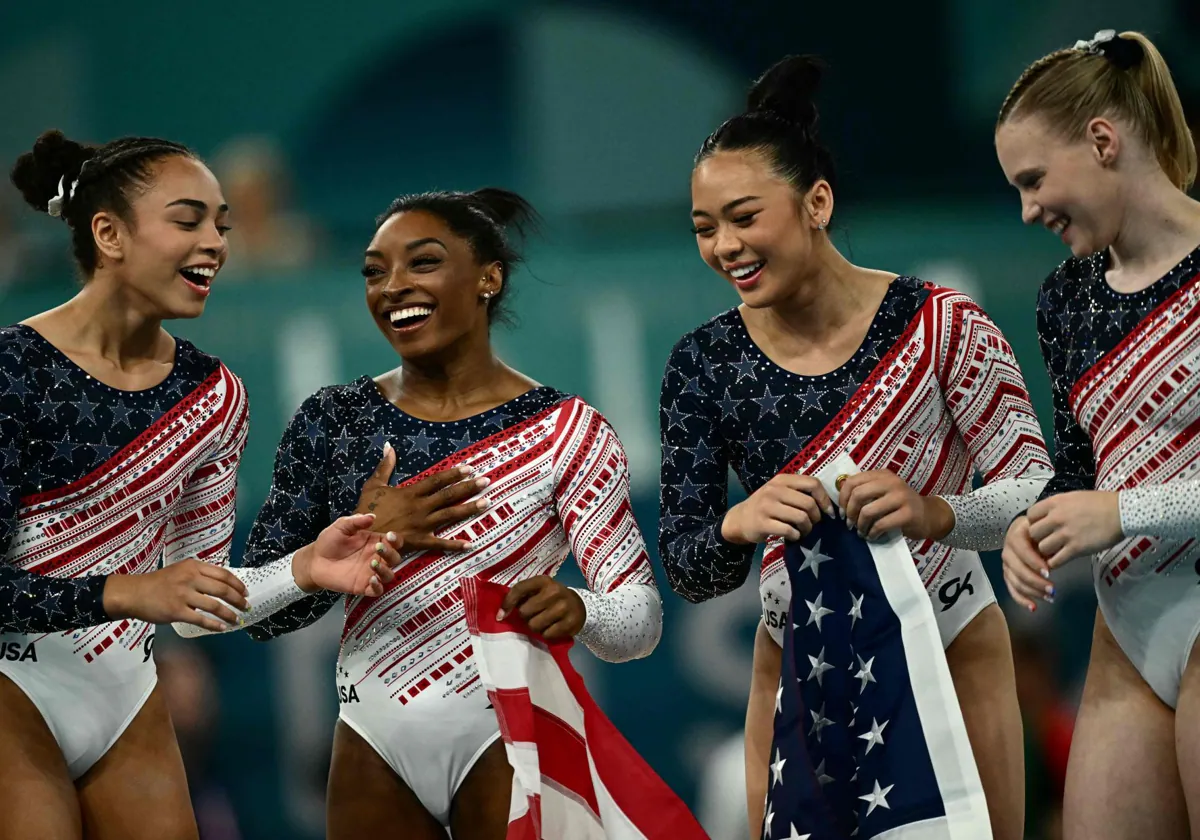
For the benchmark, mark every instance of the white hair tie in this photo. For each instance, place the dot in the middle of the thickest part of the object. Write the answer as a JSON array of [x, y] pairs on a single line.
[[55, 205]]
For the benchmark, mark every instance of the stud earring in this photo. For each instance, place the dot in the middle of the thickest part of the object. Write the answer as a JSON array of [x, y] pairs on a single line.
[[822, 225], [487, 295]]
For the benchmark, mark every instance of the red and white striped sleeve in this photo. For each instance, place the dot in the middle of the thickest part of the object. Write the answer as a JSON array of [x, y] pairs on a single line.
[[624, 608], [202, 523], [986, 396]]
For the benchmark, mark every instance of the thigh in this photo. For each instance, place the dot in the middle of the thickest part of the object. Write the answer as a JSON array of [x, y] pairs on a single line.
[[481, 803], [138, 789], [1122, 777], [981, 665], [367, 799], [37, 798], [1187, 737]]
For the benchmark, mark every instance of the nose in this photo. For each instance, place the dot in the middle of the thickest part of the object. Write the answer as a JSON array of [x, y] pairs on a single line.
[[728, 245], [214, 244], [1031, 211]]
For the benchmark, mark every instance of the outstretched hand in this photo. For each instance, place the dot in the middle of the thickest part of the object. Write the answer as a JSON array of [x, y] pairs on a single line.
[[349, 557]]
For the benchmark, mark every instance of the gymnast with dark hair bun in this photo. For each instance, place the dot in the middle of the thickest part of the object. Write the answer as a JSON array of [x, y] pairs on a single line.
[[821, 359], [481, 472], [119, 447]]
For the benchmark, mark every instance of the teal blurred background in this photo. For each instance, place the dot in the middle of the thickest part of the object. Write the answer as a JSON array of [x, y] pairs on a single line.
[[315, 117]]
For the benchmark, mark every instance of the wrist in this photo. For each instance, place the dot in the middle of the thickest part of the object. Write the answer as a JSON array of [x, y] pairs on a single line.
[[939, 518], [729, 530], [118, 595], [302, 569]]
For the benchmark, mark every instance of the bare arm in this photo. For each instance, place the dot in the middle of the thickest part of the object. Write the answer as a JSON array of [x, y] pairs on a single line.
[[760, 724]]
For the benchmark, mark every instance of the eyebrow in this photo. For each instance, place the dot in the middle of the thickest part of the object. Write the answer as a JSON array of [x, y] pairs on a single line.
[[197, 205], [732, 204], [411, 246]]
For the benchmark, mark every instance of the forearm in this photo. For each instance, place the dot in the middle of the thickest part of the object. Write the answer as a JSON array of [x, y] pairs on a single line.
[[36, 603], [269, 589], [623, 624], [1169, 511], [701, 564], [982, 517]]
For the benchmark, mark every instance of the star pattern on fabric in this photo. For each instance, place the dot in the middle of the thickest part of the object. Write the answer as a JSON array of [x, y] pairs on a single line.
[[57, 426], [728, 406]]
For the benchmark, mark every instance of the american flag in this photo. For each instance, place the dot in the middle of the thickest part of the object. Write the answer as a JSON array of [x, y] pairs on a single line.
[[574, 776], [869, 738]]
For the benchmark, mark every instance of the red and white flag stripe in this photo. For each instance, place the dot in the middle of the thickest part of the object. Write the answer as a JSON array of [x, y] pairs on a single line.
[[574, 776]]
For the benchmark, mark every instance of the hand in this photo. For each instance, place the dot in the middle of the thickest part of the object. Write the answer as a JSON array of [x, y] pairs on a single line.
[[1075, 524], [1025, 571], [548, 607], [416, 511], [786, 506], [880, 501], [178, 593], [348, 557]]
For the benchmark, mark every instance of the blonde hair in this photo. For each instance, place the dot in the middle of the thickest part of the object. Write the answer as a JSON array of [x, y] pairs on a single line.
[[1124, 77]]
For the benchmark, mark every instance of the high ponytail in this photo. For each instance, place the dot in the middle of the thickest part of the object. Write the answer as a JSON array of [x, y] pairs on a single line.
[[1122, 76]]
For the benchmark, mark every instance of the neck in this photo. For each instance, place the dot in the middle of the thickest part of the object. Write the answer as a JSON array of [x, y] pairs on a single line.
[[459, 376], [1160, 222], [113, 322], [825, 299]]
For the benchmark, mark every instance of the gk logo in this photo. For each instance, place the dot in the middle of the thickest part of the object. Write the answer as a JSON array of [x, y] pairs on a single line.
[[949, 597], [148, 648]]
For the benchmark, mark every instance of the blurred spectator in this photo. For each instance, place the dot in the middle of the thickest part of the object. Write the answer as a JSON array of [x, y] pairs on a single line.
[[186, 677], [1048, 717], [268, 234]]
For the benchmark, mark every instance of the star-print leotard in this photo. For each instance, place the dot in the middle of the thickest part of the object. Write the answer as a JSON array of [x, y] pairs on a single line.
[[559, 483], [96, 481], [932, 394], [1125, 373]]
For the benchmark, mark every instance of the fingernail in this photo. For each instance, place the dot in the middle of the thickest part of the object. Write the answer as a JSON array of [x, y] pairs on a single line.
[[1050, 591], [468, 546], [379, 547], [483, 504], [374, 564], [483, 482], [465, 470], [370, 515], [391, 536], [500, 615], [1032, 607], [1049, 599], [387, 446], [1045, 573]]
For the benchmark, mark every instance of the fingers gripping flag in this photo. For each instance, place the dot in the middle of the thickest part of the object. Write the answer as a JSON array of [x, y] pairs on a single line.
[[574, 776], [869, 738]]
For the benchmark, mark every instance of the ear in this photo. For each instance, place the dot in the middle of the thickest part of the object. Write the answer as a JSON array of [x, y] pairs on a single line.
[[818, 204], [492, 280], [110, 235], [1105, 141]]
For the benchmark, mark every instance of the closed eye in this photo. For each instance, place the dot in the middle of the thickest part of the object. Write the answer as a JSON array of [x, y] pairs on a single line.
[[745, 219], [425, 263], [701, 230], [370, 271]]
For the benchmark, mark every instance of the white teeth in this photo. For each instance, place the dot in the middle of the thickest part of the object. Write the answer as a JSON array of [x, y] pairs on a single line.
[[1060, 225], [203, 272], [745, 271], [399, 315]]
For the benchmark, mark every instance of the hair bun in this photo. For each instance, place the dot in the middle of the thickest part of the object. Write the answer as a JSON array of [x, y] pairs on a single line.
[[788, 90], [54, 158], [506, 208]]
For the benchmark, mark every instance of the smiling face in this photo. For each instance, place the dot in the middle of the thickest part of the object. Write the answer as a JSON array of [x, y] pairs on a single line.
[[172, 247], [1071, 187], [425, 286], [751, 226]]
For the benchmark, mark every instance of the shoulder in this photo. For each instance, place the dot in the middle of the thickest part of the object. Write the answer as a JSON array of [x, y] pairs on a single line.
[[1065, 282], [703, 339]]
